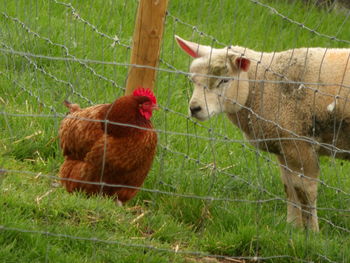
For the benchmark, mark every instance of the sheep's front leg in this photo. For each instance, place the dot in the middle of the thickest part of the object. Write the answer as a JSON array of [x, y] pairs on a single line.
[[300, 170], [294, 215]]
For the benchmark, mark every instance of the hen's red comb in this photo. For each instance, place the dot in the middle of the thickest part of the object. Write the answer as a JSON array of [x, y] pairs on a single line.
[[145, 92]]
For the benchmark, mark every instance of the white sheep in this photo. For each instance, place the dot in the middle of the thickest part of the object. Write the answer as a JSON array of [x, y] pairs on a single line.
[[292, 103]]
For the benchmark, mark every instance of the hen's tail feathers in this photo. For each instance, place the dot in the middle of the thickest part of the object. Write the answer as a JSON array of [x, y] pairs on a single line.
[[71, 106]]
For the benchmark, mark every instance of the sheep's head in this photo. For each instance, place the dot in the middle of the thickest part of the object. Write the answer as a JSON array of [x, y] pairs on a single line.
[[220, 80]]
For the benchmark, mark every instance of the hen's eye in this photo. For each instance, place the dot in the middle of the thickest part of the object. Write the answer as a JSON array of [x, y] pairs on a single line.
[[223, 81]]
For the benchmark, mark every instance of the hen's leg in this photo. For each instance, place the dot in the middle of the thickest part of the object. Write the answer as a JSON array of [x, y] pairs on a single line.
[[118, 202]]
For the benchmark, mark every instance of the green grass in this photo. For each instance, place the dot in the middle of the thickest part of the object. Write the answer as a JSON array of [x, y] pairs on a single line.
[[46, 224]]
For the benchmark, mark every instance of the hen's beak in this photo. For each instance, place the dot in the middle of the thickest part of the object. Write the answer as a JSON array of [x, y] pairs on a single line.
[[155, 107]]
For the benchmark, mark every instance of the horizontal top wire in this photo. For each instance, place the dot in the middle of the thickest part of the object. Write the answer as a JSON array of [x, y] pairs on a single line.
[[182, 72]]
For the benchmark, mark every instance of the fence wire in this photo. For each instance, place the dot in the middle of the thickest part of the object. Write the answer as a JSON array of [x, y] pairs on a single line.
[[39, 71]]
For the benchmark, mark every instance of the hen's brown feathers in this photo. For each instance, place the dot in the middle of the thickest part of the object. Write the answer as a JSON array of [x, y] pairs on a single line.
[[72, 107], [97, 151], [80, 130]]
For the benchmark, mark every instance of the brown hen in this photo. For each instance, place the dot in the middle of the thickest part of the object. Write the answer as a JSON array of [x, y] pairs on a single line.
[[98, 150]]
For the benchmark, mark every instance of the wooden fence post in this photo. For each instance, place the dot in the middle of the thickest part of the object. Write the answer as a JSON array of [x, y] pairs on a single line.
[[147, 39]]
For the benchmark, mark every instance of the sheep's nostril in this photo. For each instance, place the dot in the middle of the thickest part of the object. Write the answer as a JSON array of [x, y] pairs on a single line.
[[195, 109]]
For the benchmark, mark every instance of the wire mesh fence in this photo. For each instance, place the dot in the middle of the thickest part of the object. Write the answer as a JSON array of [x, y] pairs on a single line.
[[214, 194]]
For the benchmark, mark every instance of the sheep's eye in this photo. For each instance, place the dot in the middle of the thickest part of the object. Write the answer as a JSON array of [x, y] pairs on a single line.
[[223, 81]]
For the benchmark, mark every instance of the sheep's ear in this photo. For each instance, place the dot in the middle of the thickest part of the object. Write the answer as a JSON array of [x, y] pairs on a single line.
[[193, 49], [242, 63]]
